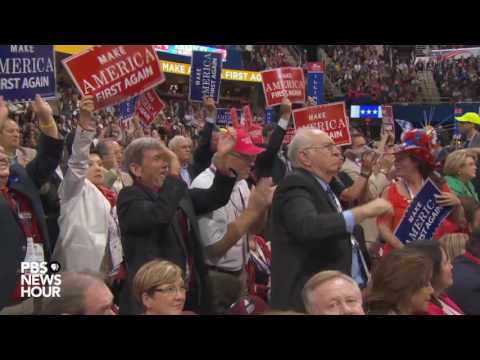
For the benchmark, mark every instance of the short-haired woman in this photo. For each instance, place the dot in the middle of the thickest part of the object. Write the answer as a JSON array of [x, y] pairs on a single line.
[[442, 278], [160, 287], [454, 244], [459, 169], [400, 284]]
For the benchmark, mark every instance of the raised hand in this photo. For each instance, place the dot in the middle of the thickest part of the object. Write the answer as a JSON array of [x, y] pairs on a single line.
[[86, 120], [286, 109], [262, 195], [210, 107], [43, 110], [3, 110]]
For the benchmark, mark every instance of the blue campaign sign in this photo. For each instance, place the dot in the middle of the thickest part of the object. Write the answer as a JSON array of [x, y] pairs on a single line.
[[27, 70], [205, 76], [126, 110], [423, 216], [315, 87], [223, 117], [269, 114]]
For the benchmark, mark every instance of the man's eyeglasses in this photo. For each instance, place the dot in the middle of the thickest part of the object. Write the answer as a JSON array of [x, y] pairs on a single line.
[[171, 290], [332, 147]]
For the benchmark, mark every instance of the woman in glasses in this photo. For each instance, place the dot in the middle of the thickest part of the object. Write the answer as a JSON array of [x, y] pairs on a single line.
[[160, 287]]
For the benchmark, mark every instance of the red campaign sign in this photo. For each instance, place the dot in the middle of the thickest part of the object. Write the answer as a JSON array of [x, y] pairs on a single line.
[[331, 118], [281, 82], [149, 106], [234, 117], [387, 119], [316, 67], [247, 115], [289, 135], [114, 73], [255, 132]]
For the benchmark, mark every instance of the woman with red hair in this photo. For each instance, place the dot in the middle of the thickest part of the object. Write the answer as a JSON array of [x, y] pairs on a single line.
[[414, 163]]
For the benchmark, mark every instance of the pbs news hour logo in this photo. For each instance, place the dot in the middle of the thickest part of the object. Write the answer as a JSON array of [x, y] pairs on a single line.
[[40, 279]]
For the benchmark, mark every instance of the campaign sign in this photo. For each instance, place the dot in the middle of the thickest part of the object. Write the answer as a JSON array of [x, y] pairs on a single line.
[[269, 114], [234, 117], [114, 73], [331, 118], [281, 82], [255, 132], [289, 135], [315, 86], [247, 115], [149, 106], [205, 76], [224, 118], [126, 110], [423, 215], [27, 70], [388, 123]]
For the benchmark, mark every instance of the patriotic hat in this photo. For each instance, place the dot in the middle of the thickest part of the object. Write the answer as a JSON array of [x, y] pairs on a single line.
[[418, 143], [470, 117]]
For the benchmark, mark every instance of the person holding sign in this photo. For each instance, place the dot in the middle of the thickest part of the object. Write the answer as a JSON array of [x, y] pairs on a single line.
[[414, 163], [308, 229], [89, 236], [22, 219]]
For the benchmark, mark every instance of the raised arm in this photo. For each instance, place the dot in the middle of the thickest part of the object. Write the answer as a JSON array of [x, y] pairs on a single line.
[[50, 148], [76, 174]]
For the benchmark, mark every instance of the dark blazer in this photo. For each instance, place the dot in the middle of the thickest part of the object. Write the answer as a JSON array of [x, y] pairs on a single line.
[[27, 182], [268, 164], [150, 230], [465, 291], [307, 235], [202, 157]]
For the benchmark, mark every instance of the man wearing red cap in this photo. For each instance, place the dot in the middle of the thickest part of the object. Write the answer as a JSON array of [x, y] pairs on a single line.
[[224, 232]]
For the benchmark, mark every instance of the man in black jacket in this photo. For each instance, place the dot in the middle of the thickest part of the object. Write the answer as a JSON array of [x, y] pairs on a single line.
[[308, 229], [22, 219], [158, 216]]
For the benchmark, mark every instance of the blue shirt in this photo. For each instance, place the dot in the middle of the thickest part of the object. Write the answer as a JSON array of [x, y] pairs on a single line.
[[185, 175], [356, 271]]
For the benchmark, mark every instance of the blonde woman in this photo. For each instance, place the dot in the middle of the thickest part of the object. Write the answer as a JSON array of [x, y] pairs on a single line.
[[454, 244], [459, 169], [160, 287]]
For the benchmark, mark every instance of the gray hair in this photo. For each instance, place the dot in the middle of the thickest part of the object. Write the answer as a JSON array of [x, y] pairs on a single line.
[[103, 147], [134, 152], [175, 141], [318, 279], [301, 140], [72, 294]]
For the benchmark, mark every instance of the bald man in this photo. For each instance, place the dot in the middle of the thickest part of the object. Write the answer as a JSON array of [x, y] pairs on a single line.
[[308, 229]]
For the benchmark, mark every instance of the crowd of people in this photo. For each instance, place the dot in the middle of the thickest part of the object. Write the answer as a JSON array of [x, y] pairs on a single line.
[[369, 71], [185, 217]]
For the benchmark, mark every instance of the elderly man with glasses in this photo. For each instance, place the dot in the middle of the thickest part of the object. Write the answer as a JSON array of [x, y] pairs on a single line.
[[308, 229]]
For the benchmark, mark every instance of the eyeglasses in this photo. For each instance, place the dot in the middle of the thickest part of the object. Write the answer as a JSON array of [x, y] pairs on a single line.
[[171, 290], [332, 147]]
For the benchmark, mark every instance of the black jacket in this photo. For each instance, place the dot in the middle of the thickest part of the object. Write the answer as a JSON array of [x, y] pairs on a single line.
[[202, 157], [307, 235], [150, 230], [268, 164], [465, 291], [27, 182]]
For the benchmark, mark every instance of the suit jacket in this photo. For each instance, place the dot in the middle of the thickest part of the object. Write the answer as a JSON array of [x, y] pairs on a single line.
[[465, 291], [307, 235], [202, 157], [150, 230], [268, 163], [26, 181]]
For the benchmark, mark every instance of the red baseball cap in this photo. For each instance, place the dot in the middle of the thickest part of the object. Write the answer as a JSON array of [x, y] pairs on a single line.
[[244, 144], [248, 305]]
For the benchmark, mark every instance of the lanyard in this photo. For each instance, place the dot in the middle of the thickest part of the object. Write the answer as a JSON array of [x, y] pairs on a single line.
[[410, 192]]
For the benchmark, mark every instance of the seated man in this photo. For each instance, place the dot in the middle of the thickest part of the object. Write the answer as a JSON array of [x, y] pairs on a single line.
[[81, 294], [332, 293]]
